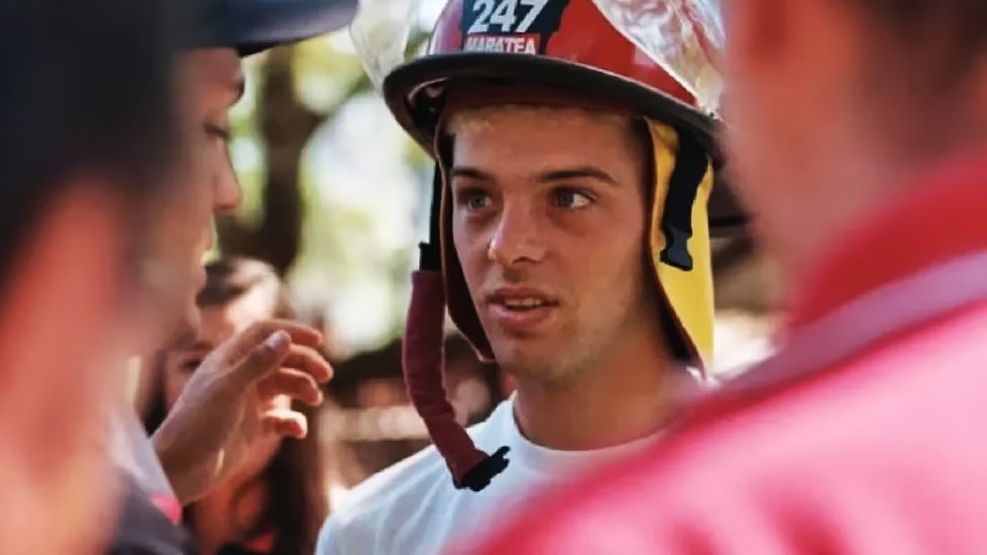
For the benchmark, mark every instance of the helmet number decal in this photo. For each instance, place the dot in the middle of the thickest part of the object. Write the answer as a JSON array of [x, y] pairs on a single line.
[[513, 26], [503, 14], [536, 8], [482, 22]]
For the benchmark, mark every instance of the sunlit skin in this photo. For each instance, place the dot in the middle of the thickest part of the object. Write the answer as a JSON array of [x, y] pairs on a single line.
[[212, 83], [550, 211]]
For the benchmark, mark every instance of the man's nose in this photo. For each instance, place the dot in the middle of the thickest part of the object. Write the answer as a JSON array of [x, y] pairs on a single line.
[[516, 237], [227, 194]]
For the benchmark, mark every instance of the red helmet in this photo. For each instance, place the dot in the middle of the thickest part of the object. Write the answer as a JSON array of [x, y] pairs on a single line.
[[572, 44]]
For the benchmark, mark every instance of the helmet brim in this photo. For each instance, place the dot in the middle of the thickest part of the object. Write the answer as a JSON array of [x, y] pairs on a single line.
[[252, 26], [406, 88]]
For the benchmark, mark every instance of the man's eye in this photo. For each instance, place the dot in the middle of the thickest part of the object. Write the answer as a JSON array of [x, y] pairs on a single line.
[[571, 199], [475, 200]]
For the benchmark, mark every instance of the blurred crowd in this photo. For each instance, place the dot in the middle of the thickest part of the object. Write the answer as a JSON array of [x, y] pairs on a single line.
[[692, 279]]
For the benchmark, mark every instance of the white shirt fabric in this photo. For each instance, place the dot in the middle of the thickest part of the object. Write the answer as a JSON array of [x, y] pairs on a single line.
[[133, 453], [412, 508]]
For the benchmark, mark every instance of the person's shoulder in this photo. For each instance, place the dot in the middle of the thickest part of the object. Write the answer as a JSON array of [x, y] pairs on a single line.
[[407, 478], [390, 490], [390, 485], [384, 500]]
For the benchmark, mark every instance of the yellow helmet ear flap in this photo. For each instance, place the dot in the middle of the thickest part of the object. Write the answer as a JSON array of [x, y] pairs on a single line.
[[679, 238]]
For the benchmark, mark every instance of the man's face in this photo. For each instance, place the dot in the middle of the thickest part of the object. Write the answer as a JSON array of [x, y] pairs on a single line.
[[793, 134], [549, 222], [212, 82]]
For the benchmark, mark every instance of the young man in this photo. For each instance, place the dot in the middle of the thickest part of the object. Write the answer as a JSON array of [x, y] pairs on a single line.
[[861, 142], [222, 411], [571, 230], [83, 147]]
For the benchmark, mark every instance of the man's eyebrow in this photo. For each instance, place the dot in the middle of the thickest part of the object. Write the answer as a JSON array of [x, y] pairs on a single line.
[[579, 172], [470, 172]]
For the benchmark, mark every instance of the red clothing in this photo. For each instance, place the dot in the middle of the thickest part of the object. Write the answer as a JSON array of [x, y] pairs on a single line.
[[867, 433]]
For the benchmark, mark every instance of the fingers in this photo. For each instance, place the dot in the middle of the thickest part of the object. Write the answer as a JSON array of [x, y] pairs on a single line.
[[305, 363], [300, 333], [243, 343], [263, 348], [308, 359], [296, 384], [264, 358], [285, 423]]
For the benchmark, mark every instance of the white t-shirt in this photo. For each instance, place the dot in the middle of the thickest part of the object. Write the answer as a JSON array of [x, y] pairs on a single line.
[[412, 508], [133, 453]]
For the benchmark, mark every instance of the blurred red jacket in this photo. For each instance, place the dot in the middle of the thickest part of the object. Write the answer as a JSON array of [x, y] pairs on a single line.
[[867, 433]]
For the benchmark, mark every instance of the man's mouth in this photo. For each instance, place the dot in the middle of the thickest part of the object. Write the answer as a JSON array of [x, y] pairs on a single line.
[[521, 298], [525, 303], [520, 309]]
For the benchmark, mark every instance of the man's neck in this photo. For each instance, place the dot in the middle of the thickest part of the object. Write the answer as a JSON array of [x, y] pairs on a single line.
[[615, 403]]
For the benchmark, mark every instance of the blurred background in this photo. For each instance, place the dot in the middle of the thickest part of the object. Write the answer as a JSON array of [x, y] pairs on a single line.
[[336, 200]]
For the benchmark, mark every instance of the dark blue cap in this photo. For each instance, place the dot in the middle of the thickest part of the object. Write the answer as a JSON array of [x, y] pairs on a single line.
[[251, 26]]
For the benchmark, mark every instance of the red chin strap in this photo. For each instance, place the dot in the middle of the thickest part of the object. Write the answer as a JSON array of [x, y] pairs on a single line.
[[422, 359]]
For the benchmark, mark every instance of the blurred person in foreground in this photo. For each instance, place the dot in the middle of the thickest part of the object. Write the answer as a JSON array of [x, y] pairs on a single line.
[[570, 235], [859, 136], [84, 151], [275, 503], [223, 409]]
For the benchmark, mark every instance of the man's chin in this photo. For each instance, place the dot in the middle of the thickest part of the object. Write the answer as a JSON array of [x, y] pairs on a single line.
[[526, 363]]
